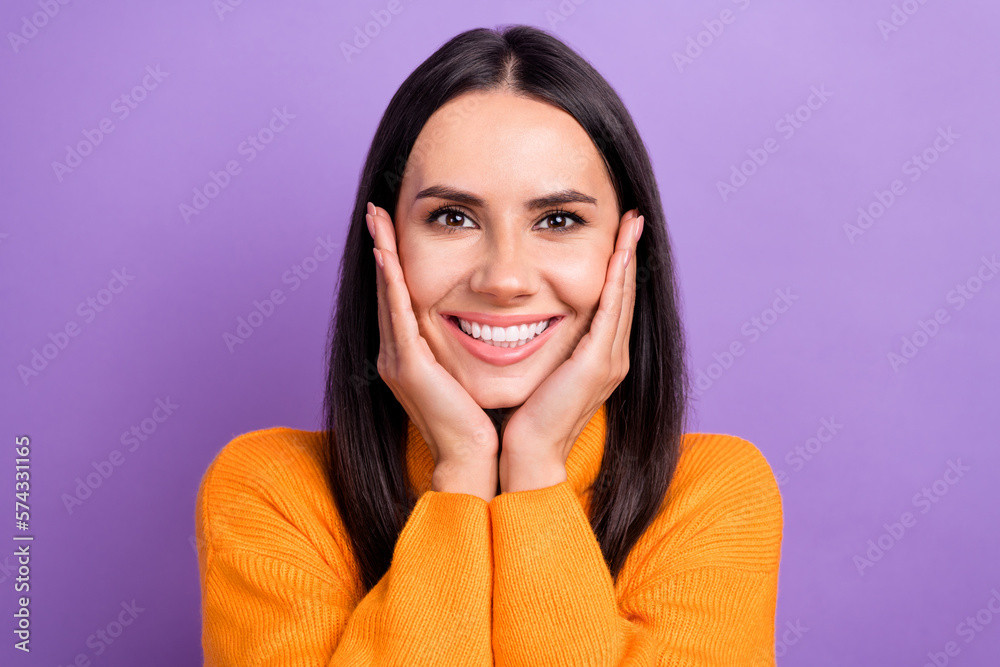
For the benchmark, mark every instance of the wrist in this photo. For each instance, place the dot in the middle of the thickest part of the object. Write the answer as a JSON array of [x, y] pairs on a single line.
[[526, 475], [477, 478]]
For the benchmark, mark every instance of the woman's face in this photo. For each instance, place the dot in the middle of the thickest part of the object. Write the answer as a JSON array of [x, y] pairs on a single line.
[[504, 256]]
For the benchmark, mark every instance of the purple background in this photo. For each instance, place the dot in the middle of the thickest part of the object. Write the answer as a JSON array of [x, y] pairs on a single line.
[[825, 357]]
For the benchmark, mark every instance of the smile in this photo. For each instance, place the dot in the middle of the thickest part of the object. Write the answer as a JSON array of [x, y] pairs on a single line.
[[501, 345], [512, 336]]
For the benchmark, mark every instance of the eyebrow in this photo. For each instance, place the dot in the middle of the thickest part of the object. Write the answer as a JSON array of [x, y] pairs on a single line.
[[553, 199]]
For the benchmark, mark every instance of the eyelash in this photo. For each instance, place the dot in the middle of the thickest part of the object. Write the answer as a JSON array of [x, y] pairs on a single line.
[[434, 215]]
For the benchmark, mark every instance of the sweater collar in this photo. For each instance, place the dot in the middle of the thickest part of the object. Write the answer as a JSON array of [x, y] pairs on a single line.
[[582, 466]]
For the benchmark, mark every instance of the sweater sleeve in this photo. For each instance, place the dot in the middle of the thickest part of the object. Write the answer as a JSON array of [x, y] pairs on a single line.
[[700, 585], [277, 591]]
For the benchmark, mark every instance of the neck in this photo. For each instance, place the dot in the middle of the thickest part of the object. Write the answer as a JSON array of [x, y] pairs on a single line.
[[500, 417]]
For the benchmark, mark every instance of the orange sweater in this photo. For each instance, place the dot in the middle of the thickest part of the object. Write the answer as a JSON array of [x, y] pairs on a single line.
[[519, 580]]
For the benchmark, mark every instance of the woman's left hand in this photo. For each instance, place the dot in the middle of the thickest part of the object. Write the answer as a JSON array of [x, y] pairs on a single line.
[[538, 437]]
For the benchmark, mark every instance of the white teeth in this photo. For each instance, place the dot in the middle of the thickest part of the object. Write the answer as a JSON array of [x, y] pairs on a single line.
[[512, 336]]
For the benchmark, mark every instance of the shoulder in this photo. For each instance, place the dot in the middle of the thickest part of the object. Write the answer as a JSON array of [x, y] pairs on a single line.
[[265, 493], [280, 444], [267, 462], [723, 507], [720, 468]]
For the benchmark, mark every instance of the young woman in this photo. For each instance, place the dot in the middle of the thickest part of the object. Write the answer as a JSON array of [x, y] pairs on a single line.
[[504, 477]]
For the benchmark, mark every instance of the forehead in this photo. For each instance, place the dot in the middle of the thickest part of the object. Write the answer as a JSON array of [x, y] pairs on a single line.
[[493, 142]]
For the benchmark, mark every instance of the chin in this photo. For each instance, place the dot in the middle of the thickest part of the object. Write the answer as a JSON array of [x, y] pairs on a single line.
[[492, 398], [495, 402]]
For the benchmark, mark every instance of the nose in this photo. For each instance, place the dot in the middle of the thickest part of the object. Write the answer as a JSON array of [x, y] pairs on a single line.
[[505, 268]]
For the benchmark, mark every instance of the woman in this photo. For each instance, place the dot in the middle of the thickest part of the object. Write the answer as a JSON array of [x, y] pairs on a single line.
[[474, 499]]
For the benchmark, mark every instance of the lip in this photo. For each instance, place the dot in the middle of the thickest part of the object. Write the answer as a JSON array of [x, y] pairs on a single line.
[[500, 320], [499, 356]]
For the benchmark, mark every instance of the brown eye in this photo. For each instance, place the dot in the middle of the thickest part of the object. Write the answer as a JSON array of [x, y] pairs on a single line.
[[559, 220], [563, 221], [453, 217], [450, 218]]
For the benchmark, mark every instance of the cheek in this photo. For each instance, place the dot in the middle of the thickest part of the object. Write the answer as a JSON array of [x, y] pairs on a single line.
[[428, 276], [580, 279]]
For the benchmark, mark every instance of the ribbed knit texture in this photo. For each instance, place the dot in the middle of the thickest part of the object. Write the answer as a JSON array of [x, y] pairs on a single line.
[[519, 580]]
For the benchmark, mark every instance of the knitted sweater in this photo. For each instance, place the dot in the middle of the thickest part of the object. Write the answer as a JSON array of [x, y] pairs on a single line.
[[518, 580]]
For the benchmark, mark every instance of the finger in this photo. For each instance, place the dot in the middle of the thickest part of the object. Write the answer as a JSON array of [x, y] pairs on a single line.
[[402, 321], [387, 231], [604, 326], [386, 341], [387, 336], [620, 349], [616, 309], [611, 331], [384, 320], [626, 229], [620, 346], [619, 274]]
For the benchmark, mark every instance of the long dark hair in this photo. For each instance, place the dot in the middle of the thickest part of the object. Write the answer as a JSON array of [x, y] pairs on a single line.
[[366, 427]]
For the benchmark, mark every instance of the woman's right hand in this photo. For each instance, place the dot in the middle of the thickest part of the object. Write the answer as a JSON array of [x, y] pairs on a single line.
[[460, 435]]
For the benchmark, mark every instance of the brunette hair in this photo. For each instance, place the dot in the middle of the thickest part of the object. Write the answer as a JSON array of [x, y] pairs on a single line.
[[366, 427]]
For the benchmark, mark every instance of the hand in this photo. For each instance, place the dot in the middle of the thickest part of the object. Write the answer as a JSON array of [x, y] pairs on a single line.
[[460, 435], [538, 437]]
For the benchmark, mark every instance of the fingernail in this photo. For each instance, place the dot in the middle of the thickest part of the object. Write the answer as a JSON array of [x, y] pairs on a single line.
[[628, 256], [638, 229], [371, 208], [371, 224], [378, 258]]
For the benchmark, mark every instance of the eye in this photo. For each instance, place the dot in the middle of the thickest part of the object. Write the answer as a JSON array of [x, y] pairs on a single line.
[[562, 221], [455, 218]]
